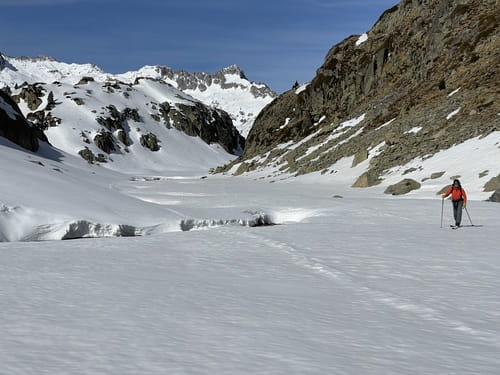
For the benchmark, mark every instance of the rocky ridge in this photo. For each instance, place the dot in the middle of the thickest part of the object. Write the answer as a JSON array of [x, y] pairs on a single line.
[[228, 90], [104, 120], [422, 80]]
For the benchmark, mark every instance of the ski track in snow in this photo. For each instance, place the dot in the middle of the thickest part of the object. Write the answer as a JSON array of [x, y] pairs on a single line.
[[352, 281], [344, 286]]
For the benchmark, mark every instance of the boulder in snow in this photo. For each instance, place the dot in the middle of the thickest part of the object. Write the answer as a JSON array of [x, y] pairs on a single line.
[[403, 187]]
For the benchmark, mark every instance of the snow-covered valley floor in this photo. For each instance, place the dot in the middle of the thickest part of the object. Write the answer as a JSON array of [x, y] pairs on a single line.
[[342, 286]]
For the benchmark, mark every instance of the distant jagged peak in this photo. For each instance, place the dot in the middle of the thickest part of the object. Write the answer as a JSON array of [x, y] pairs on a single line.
[[234, 70], [17, 70], [229, 77], [36, 58]]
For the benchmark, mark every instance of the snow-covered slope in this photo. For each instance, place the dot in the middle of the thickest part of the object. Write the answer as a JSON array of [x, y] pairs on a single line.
[[228, 90], [44, 69], [475, 162], [54, 195], [144, 125], [359, 285], [403, 105], [348, 282]]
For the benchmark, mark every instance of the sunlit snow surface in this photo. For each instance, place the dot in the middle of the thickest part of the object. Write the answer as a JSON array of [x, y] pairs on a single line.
[[353, 285]]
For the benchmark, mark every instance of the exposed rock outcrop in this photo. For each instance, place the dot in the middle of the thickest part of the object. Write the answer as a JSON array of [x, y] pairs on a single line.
[[31, 94], [495, 197], [403, 187], [43, 120], [211, 125], [105, 142], [424, 78], [493, 184], [15, 127], [150, 141]]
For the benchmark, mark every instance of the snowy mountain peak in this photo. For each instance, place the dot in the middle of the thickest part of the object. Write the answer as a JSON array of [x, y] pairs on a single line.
[[39, 58], [228, 89], [234, 70]]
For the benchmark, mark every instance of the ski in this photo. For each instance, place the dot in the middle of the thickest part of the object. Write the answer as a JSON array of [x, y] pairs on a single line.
[[464, 226]]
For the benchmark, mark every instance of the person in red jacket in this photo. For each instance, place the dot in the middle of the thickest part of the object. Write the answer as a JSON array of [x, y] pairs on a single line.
[[458, 199]]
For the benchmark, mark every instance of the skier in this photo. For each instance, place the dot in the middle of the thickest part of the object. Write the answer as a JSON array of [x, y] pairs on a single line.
[[458, 199]]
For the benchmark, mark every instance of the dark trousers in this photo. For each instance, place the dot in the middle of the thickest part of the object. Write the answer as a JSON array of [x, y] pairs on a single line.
[[457, 211]]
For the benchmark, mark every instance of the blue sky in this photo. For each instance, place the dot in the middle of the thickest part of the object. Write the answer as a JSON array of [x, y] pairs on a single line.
[[276, 42]]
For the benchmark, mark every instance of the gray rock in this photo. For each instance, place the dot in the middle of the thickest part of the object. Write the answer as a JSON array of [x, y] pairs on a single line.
[[493, 184], [87, 155], [123, 138], [410, 170], [31, 94], [51, 103], [150, 141], [367, 179], [43, 120], [403, 187], [131, 114], [105, 142], [79, 101], [437, 175], [359, 157], [495, 197], [85, 80]]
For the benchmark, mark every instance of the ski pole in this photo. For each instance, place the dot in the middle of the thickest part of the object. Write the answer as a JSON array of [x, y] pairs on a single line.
[[468, 216], [442, 208]]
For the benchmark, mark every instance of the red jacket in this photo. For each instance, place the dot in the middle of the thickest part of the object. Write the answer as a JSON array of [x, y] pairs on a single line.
[[457, 193]]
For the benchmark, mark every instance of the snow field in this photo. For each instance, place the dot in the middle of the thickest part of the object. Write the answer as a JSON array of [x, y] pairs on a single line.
[[352, 285]]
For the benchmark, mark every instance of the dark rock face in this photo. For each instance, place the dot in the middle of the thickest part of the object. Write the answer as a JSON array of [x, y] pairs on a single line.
[[211, 125], [115, 120], [123, 138], [150, 141], [43, 120], [18, 130], [416, 55], [85, 80], [88, 155], [105, 142]]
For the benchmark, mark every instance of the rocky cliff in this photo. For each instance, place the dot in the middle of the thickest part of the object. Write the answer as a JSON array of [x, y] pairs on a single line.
[[423, 79], [15, 127]]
